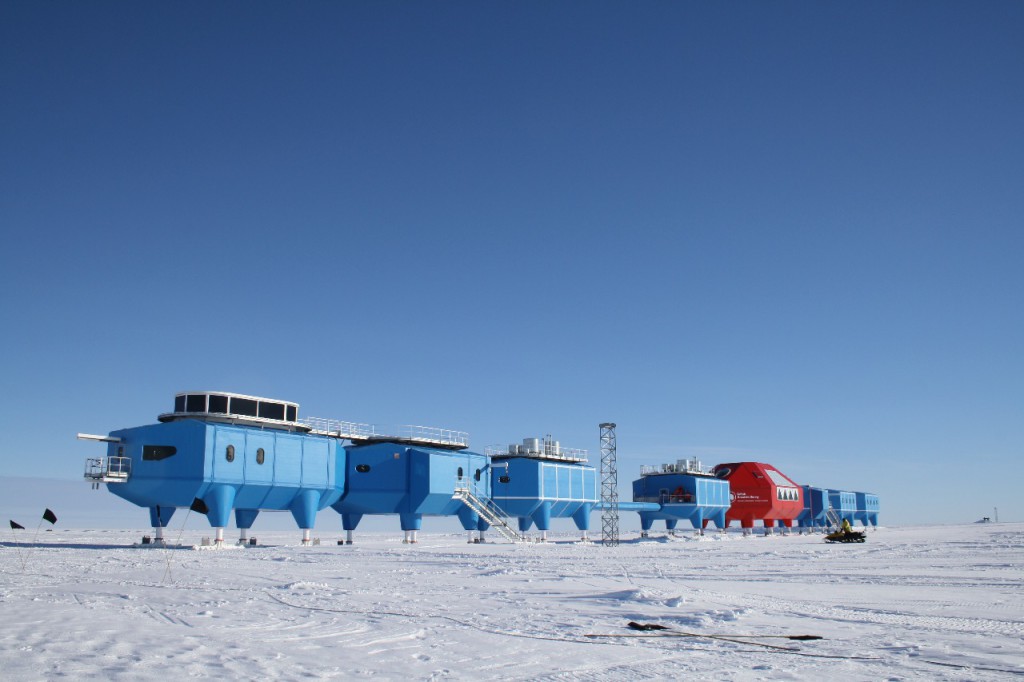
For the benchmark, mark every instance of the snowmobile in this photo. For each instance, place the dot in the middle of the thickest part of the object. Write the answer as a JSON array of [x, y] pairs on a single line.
[[846, 536], [844, 531]]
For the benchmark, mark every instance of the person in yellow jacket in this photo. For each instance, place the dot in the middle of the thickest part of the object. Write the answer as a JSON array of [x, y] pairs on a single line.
[[847, 528]]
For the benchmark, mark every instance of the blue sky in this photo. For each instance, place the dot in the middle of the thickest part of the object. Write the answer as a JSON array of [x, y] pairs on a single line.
[[786, 232]]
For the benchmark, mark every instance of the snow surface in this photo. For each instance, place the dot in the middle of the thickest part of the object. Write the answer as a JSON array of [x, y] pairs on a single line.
[[935, 603]]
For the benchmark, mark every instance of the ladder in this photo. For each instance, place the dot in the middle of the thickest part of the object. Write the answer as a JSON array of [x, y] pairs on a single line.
[[833, 517], [489, 512]]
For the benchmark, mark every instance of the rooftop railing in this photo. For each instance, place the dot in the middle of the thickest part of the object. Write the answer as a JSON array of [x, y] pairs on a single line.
[[411, 433], [687, 466], [546, 451]]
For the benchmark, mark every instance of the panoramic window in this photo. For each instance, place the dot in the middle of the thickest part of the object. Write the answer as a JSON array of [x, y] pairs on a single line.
[[179, 403], [272, 411], [260, 456], [244, 407], [195, 403], [230, 453], [157, 452], [293, 413], [218, 404]]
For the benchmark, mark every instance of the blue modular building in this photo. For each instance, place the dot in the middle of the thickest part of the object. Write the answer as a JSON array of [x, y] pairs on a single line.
[[411, 480], [816, 505], [218, 452], [685, 491], [540, 480], [844, 503], [867, 508]]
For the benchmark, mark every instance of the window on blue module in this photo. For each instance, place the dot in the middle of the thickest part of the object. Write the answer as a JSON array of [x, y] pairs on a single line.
[[195, 403], [158, 452], [218, 404], [272, 410], [244, 407], [231, 407]]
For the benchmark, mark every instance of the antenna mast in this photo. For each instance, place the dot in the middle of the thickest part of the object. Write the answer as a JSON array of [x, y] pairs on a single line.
[[609, 487]]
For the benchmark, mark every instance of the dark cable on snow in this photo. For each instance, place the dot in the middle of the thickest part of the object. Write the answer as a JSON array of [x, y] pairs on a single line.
[[602, 638]]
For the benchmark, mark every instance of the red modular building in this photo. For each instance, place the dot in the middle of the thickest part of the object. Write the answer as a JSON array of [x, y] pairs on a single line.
[[760, 492]]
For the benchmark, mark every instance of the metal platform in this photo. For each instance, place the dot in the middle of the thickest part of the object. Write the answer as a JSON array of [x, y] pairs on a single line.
[[107, 470]]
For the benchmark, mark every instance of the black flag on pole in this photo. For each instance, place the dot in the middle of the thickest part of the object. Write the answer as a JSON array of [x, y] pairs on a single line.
[[199, 506], [50, 516], [16, 525]]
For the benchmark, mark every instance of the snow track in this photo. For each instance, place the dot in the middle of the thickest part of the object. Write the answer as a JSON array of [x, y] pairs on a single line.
[[922, 603]]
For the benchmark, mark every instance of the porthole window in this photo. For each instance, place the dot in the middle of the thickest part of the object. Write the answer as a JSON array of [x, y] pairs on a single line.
[[229, 454], [477, 475], [460, 473], [503, 479], [260, 456], [362, 468]]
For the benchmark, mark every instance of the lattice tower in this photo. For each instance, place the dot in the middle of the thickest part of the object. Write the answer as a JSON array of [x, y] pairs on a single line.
[[609, 487]]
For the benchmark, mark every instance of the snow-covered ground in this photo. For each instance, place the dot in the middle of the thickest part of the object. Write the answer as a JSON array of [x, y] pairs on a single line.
[[943, 602]]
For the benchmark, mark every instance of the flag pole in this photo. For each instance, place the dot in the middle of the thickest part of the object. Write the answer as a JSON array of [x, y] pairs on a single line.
[[17, 545], [35, 537], [47, 516]]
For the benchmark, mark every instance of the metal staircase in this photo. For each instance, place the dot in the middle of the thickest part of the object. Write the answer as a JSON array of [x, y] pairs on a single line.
[[833, 517], [488, 511]]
